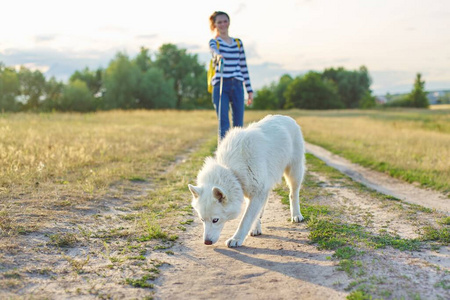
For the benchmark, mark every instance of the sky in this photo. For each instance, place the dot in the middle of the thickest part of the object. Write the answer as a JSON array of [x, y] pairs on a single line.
[[394, 39]]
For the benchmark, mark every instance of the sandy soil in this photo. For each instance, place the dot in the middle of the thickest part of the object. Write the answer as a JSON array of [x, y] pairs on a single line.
[[280, 264]]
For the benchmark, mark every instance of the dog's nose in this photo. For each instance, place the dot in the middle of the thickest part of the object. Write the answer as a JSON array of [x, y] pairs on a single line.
[[207, 242]]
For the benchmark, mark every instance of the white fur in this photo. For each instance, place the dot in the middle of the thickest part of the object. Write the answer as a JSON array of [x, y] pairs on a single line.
[[248, 163]]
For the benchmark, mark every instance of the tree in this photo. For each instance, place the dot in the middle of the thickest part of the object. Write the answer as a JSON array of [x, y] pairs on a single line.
[[31, 87], [265, 98], [93, 79], [185, 71], [155, 91], [352, 86], [9, 89], [367, 101], [418, 96], [143, 60], [280, 89], [311, 91], [121, 83], [53, 92], [77, 97]]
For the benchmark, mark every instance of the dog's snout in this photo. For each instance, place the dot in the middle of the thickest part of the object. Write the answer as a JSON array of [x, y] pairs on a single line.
[[208, 242]]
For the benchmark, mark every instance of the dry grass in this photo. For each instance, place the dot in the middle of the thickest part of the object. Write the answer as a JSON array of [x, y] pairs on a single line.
[[440, 106], [413, 145], [52, 163]]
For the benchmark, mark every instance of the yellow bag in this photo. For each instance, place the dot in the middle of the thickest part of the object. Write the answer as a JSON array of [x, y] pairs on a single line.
[[212, 68]]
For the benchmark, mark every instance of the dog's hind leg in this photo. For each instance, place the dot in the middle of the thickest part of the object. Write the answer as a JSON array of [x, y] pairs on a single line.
[[294, 177]]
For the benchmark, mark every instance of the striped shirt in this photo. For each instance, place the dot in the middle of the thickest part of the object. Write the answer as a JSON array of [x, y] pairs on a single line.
[[235, 64]]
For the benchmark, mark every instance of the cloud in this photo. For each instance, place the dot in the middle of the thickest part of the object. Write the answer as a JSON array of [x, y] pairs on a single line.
[[240, 8], [44, 38], [265, 73], [189, 47], [146, 36], [60, 64], [395, 82], [251, 52], [301, 2], [112, 28]]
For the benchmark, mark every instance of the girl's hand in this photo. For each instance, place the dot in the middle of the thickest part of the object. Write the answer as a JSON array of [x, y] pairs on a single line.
[[250, 99], [218, 58]]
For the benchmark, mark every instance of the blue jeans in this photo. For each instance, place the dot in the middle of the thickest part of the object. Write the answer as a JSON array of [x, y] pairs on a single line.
[[232, 97]]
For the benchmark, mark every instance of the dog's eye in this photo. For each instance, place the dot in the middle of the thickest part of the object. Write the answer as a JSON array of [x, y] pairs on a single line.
[[215, 220]]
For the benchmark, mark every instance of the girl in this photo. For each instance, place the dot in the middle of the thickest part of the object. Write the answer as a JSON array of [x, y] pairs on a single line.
[[235, 73]]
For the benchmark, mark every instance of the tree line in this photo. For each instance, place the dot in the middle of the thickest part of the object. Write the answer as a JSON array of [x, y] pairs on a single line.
[[331, 89], [170, 78]]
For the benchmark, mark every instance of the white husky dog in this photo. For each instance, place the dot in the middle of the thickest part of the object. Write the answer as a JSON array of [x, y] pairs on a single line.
[[248, 163]]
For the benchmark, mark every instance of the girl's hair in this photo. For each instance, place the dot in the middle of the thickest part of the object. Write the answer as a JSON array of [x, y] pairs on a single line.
[[212, 19]]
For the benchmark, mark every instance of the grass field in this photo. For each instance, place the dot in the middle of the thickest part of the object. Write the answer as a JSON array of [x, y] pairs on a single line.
[[60, 159], [64, 160], [76, 155]]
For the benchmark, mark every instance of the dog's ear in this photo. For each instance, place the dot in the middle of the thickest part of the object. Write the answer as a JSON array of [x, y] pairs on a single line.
[[195, 190], [219, 195]]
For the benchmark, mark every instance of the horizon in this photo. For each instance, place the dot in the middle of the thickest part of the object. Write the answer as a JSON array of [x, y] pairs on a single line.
[[395, 40]]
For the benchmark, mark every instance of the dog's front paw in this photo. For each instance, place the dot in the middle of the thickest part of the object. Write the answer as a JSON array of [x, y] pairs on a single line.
[[297, 219], [234, 242]]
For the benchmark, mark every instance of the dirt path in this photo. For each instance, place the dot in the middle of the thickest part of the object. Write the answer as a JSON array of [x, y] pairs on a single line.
[[282, 264], [381, 182]]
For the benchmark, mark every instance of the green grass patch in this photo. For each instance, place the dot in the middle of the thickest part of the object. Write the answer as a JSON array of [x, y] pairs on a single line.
[[444, 284], [359, 295], [383, 240], [187, 222], [349, 266], [332, 234], [346, 253], [137, 179], [441, 235], [142, 282], [444, 221], [63, 240], [317, 165]]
